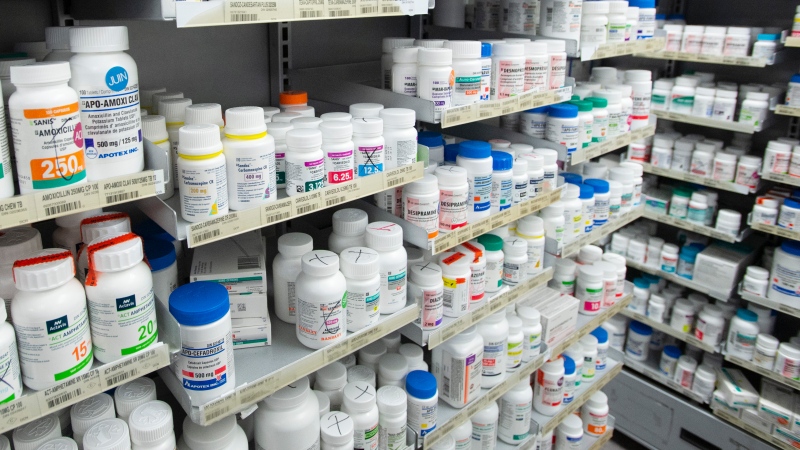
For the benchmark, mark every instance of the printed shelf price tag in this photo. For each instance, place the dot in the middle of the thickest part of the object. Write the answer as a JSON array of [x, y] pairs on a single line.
[[16, 211], [69, 391], [127, 188], [18, 412], [58, 202], [224, 226]]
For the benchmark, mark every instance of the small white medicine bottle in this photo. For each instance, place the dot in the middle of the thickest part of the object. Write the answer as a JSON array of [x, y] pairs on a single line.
[[290, 417], [132, 395], [11, 387], [331, 380], [360, 402], [285, 268], [202, 179], [88, 412], [338, 148], [392, 428], [426, 288], [249, 158], [387, 239], [321, 300], [305, 162], [222, 435], [435, 77], [68, 233], [370, 145], [349, 227], [102, 224], [278, 132], [360, 268], [404, 71], [15, 243], [50, 302], [336, 431], [119, 291], [151, 427]]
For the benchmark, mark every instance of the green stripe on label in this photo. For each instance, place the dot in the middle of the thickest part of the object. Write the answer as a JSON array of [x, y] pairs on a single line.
[[59, 182], [468, 79], [8, 399], [139, 347], [70, 372], [249, 341]]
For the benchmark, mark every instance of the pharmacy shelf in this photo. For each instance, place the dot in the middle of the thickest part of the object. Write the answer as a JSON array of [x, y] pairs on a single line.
[[260, 371], [52, 203], [597, 233], [167, 213], [696, 179], [749, 365], [467, 34], [614, 49], [695, 228], [743, 61], [777, 231], [781, 178], [589, 442], [419, 237], [667, 329], [650, 369], [327, 84], [451, 326], [33, 405], [784, 110], [735, 421], [601, 148], [671, 277], [705, 122], [772, 304]]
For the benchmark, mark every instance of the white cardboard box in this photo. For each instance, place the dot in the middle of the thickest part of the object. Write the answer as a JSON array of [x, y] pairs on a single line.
[[776, 403], [796, 413], [559, 314], [237, 263], [721, 265], [246, 306], [735, 389], [718, 402], [787, 437], [751, 416], [253, 332]]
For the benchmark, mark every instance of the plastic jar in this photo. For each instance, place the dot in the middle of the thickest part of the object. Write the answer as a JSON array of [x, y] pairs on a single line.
[[403, 71], [724, 104], [765, 47], [369, 355], [698, 208], [702, 163], [588, 344], [533, 122], [705, 378], [787, 361], [728, 221], [683, 316], [537, 64], [392, 370], [756, 281], [765, 213], [710, 325], [338, 149], [713, 41], [502, 192], [222, 435], [475, 156], [151, 427], [388, 46], [531, 230], [724, 167], [493, 246], [47, 290], [556, 51], [453, 197], [536, 173], [426, 287], [692, 39], [387, 239], [777, 157], [637, 346], [589, 289], [477, 289], [564, 275], [570, 378], [360, 404], [484, 427], [305, 162], [106, 435], [495, 333], [359, 265], [674, 37], [202, 178], [550, 168], [399, 135], [569, 433], [459, 359], [669, 258], [790, 213], [742, 334], [392, 408], [747, 171], [600, 118], [291, 416], [625, 176], [562, 126], [249, 158], [587, 207], [88, 412], [336, 431], [669, 360], [102, 72], [548, 388], [133, 394], [515, 261], [617, 20], [679, 204], [646, 24], [515, 413], [704, 102], [467, 69], [519, 180], [594, 23], [682, 95], [684, 371], [435, 77], [585, 122], [422, 403], [661, 93], [641, 295], [414, 356], [349, 226], [31, 436], [285, 268], [516, 343], [420, 202], [682, 156], [369, 144], [278, 132], [573, 208], [766, 351], [330, 381], [456, 275], [754, 109], [321, 292], [737, 42], [601, 200]]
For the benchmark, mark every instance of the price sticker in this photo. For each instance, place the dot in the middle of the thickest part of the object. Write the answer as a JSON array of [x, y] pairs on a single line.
[[129, 187], [367, 336], [257, 390], [18, 210], [459, 115], [258, 11], [526, 100], [223, 226], [54, 203], [336, 352], [308, 202], [509, 105], [219, 408], [488, 109], [135, 366], [278, 211], [18, 412], [339, 193], [69, 391]]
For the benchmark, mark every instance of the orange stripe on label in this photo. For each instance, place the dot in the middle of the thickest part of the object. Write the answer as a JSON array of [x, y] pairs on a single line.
[[45, 113], [44, 259], [453, 258], [478, 252], [91, 277]]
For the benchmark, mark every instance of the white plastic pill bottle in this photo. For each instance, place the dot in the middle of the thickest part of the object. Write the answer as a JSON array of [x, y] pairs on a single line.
[[321, 300], [476, 157], [249, 158], [493, 246], [107, 81], [548, 389], [349, 226], [33, 434], [392, 370], [461, 359], [222, 435], [151, 427], [205, 363], [336, 431], [119, 291], [44, 160], [9, 361], [425, 286], [359, 265], [400, 137], [594, 414], [278, 132], [108, 434], [422, 403], [420, 202], [305, 162], [502, 195], [88, 412], [330, 381], [285, 268], [387, 239], [515, 413], [174, 112], [467, 68], [550, 167], [388, 46], [494, 330], [556, 51], [133, 394], [453, 197], [742, 333], [404, 71], [515, 262], [392, 409], [531, 230], [456, 276], [15, 243], [360, 403], [370, 152], [202, 178], [50, 302], [508, 70], [435, 77], [289, 416]]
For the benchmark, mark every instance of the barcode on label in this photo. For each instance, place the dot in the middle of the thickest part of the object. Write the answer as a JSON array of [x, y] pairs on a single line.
[[304, 209], [247, 263], [65, 397], [508, 110], [214, 414], [205, 236], [369, 9], [244, 17], [119, 378], [483, 113], [277, 217], [395, 182], [123, 197], [335, 201], [66, 207], [309, 14], [338, 13], [391, 9]]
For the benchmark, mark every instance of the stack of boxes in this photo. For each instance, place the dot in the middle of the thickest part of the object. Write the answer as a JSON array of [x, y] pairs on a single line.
[[559, 313], [239, 264]]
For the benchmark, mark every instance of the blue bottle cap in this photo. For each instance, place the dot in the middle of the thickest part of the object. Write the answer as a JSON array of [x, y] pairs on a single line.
[[199, 303], [421, 384], [563, 111], [672, 351], [661, 17], [642, 3], [601, 335], [586, 191], [600, 186], [475, 149], [641, 283], [746, 314], [539, 110], [148, 229], [502, 161], [767, 37], [486, 50], [160, 254], [430, 139], [791, 203], [640, 328], [569, 365], [791, 247], [571, 178], [795, 78], [450, 152]]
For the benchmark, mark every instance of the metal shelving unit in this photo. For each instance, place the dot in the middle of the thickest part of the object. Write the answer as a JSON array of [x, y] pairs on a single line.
[[781, 178], [597, 233], [742, 61], [671, 277], [650, 370], [695, 228], [772, 304], [689, 338], [776, 230], [598, 149], [705, 122], [696, 179], [794, 384]]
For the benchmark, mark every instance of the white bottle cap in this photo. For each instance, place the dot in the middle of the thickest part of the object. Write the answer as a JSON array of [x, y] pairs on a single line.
[[19, 242], [550, 156], [392, 400], [405, 55], [368, 126], [617, 7], [306, 122], [110, 434], [464, 49], [598, 399], [530, 227], [154, 129], [428, 183], [638, 75], [426, 273], [320, 263], [269, 111], [57, 38], [434, 57], [350, 222], [40, 73], [6, 64], [212, 437], [119, 256], [207, 113], [158, 97], [553, 210], [565, 266], [515, 326], [295, 245], [555, 46], [359, 263], [98, 39], [613, 96], [331, 377], [338, 116], [391, 43], [359, 110], [60, 443], [590, 254], [535, 160], [150, 423], [758, 273], [448, 442], [324, 402], [413, 354], [535, 48], [384, 236], [429, 43], [241, 121], [361, 373], [571, 191], [398, 117], [57, 268], [278, 130], [336, 129], [304, 139], [199, 140], [359, 396], [528, 313], [336, 428], [590, 273], [515, 246], [450, 175], [146, 95], [520, 166], [371, 353], [595, 8], [621, 174], [286, 117], [88, 412], [104, 224], [133, 394], [289, 396], [393, 366], [33, 434], [508, 49]]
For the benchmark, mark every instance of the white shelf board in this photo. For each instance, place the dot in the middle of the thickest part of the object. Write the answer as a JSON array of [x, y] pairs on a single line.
[[781, 178], [609, 145], [743, 61], [649, 369], [614, 49], [785, 110], [667, 329], [696, 179], [597, 233], [724, 296], [695, 228], [772, 304], [705, 122], [777, 231], [749, 365]]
